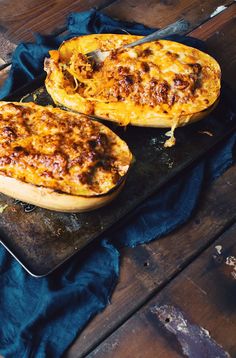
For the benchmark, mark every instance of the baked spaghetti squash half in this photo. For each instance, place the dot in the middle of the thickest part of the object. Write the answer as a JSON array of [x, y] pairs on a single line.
[[157, 84], [59, 160]]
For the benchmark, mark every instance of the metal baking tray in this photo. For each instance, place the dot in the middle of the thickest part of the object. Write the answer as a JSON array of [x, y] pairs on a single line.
[[41, 240]]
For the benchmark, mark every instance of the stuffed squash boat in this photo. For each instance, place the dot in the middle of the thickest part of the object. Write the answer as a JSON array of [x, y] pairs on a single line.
[[157, 84], [59, 160]]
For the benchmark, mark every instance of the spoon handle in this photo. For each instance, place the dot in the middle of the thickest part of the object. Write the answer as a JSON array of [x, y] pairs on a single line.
[[179, 27]]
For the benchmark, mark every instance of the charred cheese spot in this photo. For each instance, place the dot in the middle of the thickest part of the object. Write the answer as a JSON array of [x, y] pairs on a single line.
[[180, 82], [64, 151], [145, 67], [146, 52]]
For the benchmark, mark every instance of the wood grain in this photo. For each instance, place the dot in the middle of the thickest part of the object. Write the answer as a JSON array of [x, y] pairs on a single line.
[[161, 13], [4, 74], [220, 36], [20, 19], [6, 48], [203, 32], [145, 269], [215, 24], [213, 32], [204, 294]]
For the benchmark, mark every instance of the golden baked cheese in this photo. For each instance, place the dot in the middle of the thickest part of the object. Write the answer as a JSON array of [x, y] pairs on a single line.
[[157, 84], [65, 152]]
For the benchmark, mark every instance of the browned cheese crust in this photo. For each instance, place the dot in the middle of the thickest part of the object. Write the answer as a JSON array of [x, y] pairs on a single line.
[[56, 149], [154, 84]]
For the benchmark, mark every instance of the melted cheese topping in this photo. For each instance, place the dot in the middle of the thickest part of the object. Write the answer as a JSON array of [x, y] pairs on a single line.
[[57, 149], [162, 79]]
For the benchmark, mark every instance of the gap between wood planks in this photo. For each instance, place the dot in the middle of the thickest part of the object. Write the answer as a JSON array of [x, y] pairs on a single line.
[[212, 21], [6, 47], [218, 21], [20, 19], [203, 294], [162, 286], [216, 213], [160, 13]]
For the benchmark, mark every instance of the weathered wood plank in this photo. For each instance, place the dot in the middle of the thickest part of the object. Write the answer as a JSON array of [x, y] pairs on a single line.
[[146, 268], [203, 295], [213, 33], [6, 48], [215, 24], [20, 19], [203, 32], [220, 36], [161, 13], [3, 74]]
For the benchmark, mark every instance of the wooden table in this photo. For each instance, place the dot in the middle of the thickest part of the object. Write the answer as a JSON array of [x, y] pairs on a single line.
[[186, 280]]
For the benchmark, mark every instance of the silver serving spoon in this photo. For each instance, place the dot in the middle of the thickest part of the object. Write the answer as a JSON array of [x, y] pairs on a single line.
[[179, 27]]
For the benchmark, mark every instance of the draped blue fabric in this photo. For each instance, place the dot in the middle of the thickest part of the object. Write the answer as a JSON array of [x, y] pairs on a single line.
[[40, 317]]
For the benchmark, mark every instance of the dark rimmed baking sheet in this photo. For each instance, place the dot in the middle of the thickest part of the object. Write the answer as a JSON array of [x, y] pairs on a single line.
[[42, 240]]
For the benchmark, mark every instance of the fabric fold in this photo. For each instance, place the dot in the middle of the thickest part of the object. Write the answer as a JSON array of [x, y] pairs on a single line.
[[41, 317]]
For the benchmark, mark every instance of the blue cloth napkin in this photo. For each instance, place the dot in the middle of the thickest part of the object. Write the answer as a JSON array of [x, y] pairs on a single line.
[[41, 317]]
